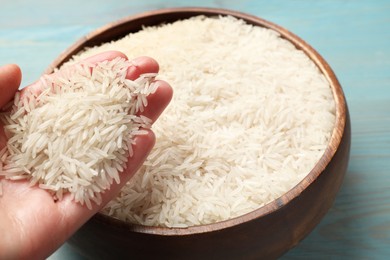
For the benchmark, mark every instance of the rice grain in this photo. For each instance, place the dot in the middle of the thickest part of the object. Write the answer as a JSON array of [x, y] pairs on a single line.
[[250, 117], [76, 135]]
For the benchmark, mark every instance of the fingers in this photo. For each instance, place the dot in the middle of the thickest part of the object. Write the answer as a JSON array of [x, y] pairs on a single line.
[[10, 77], [142, 148], [140, 66], [76, 214], [36, 87], [158, 101], [108, 55]]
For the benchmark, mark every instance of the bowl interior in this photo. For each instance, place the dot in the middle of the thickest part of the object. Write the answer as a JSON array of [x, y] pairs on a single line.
[[125, 26]]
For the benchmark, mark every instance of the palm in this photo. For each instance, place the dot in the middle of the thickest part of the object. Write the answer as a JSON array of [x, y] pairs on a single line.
[[35, 225]]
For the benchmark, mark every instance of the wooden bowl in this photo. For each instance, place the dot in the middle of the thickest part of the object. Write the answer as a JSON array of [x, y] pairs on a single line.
[[265, 233]]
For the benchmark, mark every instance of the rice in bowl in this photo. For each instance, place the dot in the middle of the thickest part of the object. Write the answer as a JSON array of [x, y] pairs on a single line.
[[250, 117]]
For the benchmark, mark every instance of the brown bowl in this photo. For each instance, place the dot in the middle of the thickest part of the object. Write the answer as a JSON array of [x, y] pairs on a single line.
[[267, 232]]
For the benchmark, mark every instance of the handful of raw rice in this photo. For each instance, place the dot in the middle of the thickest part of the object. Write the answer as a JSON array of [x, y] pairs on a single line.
[[76, 134]]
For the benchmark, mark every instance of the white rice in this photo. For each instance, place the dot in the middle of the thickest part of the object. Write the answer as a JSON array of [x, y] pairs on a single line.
[[74, 135], [250, 117]]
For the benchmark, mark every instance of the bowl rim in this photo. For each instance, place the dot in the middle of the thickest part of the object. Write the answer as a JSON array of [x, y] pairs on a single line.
[[275, 205]]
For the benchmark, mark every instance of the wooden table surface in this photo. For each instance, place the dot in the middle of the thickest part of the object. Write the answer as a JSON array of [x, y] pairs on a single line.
[[353, 36]]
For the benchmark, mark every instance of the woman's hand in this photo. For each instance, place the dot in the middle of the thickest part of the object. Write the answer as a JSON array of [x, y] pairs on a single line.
[[32, 224]]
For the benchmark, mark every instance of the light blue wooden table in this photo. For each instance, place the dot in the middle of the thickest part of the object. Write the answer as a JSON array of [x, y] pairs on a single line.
[[353, 36]]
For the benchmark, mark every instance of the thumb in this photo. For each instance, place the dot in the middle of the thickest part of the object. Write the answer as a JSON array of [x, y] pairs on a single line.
[[10, 78]]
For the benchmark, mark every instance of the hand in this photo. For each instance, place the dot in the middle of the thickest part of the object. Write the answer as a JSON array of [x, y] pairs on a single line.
[[32, 225]]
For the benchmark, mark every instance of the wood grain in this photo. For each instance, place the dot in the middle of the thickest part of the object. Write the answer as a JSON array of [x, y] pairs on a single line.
[[353, 36]]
